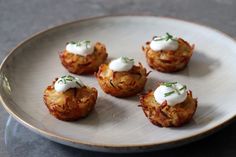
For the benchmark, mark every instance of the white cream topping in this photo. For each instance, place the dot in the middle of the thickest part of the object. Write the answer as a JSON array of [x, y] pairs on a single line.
[[66, 82], [172, 92], [166, 42], [82, 48], [121, 64]]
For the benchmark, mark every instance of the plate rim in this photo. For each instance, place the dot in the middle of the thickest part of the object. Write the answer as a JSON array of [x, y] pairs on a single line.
[[89, 145]]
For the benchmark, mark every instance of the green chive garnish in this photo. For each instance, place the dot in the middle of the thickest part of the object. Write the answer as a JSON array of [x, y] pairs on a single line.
[[80, 43], [170, 84], [69, 78], [169, 93], [183, 88], [127, 60], [166, 37]]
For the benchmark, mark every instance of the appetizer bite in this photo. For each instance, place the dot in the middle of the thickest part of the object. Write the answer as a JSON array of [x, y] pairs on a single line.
[[169, 105], [69, 99], [83, 57], [167, 53], [121, 78]]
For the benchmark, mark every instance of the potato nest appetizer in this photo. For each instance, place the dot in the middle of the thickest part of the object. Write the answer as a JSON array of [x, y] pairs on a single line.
[[89, 64], [169, 60], [164, 115], [122, 84], [71, 105]]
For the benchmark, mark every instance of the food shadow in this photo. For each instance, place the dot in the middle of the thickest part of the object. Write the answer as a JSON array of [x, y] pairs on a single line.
[[152, 83], [105, 112], [204, 115], [200, 65]]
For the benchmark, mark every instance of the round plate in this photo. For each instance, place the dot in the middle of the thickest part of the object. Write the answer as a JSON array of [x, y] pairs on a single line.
[[119, 124]]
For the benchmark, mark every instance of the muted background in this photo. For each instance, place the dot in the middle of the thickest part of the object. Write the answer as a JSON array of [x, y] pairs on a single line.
[[20, 19]]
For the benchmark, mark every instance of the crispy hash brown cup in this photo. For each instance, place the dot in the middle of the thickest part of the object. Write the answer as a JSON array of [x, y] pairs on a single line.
[[89, 64], [164, 115], [169, 60], [71, 105], [122, 84]]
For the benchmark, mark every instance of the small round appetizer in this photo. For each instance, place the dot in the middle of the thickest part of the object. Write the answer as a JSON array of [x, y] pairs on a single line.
[[167, 53], [170, 105], [69, 99], [121, 78], [83, 57]]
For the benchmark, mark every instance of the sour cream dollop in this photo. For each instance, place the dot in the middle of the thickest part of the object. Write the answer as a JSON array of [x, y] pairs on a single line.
[[172, 92], [166, 42], [121, 64], [66, 82], [82, 48]]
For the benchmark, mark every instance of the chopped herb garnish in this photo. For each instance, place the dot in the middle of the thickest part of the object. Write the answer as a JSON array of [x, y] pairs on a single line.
[[165, 37], [62, 81], [127, 60], [71, 42], [69, 78], [183, 88], [169, 93], [87, 42], [78, 84], [168, 37], [168, 84], [81, 43], [156, 38], [175, 89]]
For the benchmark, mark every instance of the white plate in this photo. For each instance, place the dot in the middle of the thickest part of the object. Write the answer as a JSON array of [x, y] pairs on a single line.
[[119, 124]]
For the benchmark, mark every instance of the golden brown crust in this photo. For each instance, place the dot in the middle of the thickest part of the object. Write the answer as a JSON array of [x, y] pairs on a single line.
[[71, 105], [122, 84], [168, 60], [84, 64], [164, 115]]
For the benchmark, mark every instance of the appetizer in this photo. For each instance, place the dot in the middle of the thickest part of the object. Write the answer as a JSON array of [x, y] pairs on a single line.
[[171, 104], [83, 57], [167, 53], [121, 78], [69, 99]]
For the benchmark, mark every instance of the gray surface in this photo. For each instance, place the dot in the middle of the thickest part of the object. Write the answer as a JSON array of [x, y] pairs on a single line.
[[20, 19]]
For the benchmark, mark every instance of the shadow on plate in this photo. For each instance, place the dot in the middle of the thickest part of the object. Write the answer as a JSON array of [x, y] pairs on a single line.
[[105, 112], [200, 65], [204, 115], [152, 83]]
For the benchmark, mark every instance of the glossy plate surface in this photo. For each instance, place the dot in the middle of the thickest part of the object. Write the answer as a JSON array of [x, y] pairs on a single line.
[[119, 124]]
